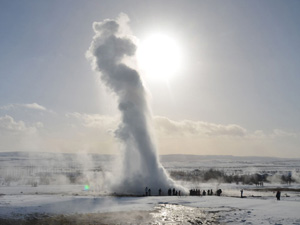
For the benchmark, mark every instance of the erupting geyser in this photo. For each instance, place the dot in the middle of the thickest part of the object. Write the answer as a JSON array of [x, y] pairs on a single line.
[[140, 167]]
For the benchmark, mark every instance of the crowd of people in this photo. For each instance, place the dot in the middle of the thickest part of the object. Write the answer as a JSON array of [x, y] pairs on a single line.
[[193, 192], [174, 192], [196, 192], [170, 192]]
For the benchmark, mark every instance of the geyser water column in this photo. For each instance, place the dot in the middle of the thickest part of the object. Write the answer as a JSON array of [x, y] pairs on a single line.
[[140, 165]]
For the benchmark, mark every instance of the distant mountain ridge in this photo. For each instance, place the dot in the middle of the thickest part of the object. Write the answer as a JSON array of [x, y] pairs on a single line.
[[169, 157]]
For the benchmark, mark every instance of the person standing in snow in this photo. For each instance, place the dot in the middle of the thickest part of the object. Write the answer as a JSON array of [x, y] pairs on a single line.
[[146, 191], [242, 193], [278, 195]]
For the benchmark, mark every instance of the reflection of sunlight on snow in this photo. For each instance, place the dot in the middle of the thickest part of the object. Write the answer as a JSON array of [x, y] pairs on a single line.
[[179, 214]]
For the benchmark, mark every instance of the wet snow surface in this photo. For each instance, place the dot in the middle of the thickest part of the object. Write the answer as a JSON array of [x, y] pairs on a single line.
[[147, 210]]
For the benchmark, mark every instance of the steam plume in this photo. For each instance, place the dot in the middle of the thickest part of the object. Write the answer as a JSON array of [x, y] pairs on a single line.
[[141, 167]]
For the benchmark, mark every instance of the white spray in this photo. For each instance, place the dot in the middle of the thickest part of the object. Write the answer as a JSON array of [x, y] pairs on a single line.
[[141, 167]]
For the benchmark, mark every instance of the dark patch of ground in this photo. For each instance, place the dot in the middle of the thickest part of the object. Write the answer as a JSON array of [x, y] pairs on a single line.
[[286, 189], [162, 214]]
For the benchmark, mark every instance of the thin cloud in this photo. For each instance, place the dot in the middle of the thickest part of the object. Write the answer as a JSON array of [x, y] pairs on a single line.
[[95, 120], [18, 135], [34, 106], [8, 124], [166, 126], [282, 133]]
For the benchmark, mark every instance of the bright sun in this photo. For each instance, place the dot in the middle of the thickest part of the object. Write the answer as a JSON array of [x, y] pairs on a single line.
[[159, 57]]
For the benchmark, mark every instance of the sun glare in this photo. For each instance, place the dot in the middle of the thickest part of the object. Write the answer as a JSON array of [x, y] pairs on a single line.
[[159, 57]]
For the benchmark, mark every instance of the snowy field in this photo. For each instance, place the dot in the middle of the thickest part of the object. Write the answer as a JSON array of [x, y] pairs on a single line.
[[17, 206], [25, 199]]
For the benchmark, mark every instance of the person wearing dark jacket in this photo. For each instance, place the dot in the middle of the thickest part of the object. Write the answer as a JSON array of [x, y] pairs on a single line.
[[278, 195]]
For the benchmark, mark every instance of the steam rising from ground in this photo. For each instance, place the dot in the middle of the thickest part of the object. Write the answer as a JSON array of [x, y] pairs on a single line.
[[140, 168]]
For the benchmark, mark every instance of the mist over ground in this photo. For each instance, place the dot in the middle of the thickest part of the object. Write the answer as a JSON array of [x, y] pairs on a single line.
[[35, 169]]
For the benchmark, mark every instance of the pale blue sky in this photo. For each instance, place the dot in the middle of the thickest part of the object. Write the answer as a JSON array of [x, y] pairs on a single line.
[[241, 59]]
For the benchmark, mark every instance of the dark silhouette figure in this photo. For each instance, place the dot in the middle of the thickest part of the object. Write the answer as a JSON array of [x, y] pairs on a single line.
[[173, 191], [242, 193], [196, 192], [211, 192], [192, 192], [169, 191], [204, 193], [278, 195], [289, 180], [219, 192], [159, 192], [179, 193], [146, 191], [149, 191]]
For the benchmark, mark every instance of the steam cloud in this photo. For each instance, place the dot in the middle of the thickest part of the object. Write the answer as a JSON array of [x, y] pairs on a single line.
[[140, 167]]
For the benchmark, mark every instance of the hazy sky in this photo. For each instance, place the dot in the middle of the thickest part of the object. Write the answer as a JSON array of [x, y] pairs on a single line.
[[237, 91]]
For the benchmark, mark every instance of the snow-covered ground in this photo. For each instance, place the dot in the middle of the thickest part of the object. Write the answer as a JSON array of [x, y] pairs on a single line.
[[21, 201], [42, 187]]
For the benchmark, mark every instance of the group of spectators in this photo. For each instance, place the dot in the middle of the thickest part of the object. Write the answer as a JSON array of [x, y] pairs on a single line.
[[174, 192], [170, 192], [197, 192], [193, 192]]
